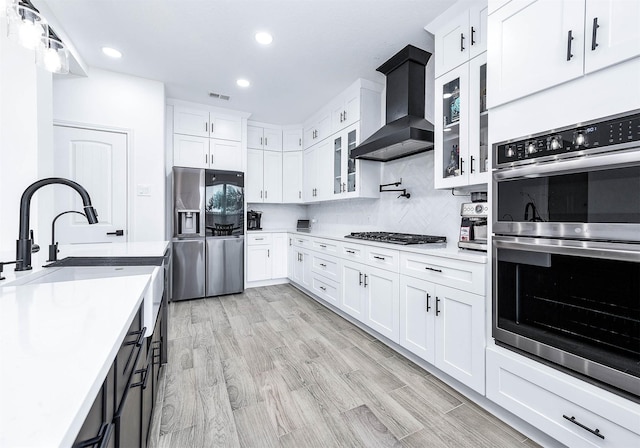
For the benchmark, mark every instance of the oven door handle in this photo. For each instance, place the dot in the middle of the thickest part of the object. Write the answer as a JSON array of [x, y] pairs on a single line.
[[578, 248], [578, 164]]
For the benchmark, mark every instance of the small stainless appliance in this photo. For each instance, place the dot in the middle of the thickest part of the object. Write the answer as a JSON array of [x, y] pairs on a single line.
[[473, 228], [566, 250], [208, 233], [397, 238], [253, 220]]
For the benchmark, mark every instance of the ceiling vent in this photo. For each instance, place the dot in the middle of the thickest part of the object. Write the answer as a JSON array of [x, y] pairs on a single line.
[[219, 96]]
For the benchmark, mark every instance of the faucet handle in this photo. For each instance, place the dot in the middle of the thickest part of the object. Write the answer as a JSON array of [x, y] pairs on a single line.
[[34, 247]]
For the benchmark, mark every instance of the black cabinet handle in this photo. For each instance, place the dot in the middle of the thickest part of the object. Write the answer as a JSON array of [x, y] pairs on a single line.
[[461, 42], [360, 273], [437, 303], [101, 440], [594, 34], [323, 246], [350, 251], [569, 39], [473, 33], [472, 164], [595, 432], [323, 265], [433, 269], [323, 288], [118, 232], [378, 258], [461, 162], [428, 307], [365, 280]]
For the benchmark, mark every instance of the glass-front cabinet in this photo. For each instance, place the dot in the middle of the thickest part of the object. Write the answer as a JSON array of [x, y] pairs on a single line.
[[461, 146], [345, 169]]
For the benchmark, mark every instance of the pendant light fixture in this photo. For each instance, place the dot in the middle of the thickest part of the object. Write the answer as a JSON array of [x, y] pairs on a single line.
[[25, 24], [52, 54]]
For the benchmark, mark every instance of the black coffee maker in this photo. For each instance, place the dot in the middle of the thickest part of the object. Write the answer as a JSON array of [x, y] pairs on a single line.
[[253, 220]]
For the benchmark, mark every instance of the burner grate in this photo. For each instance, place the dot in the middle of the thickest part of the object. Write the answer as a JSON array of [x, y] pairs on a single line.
[[397, 238]]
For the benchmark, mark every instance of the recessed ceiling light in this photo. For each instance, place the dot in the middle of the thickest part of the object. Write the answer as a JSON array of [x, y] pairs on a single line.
[[264, 38], [111, 52], [243, 83]]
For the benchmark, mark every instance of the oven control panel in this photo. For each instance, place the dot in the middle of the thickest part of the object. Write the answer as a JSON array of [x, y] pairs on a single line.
[[590, 136]]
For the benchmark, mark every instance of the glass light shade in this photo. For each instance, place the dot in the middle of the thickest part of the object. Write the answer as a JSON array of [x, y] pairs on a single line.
[[53, 56], [25, 25]]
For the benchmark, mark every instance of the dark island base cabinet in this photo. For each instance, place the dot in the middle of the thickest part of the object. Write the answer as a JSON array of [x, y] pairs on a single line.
[[121, 413]]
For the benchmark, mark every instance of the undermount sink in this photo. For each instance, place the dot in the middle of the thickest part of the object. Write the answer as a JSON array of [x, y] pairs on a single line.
[[69, 274]]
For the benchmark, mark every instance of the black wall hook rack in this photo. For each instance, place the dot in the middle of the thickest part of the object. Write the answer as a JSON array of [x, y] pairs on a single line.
[[404, 193]]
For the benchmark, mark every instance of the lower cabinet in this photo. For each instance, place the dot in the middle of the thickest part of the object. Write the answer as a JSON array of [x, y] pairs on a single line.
[[569, 410], [301, 267], [266, 256], [444, 326], [372, 296], [98, 427]]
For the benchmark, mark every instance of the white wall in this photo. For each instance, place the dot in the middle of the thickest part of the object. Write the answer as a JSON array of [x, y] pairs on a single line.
[[427, 211], [111, 100], [24, 120]]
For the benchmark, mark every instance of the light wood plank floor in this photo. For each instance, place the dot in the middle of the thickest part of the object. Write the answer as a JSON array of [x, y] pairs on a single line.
[[271, 367]]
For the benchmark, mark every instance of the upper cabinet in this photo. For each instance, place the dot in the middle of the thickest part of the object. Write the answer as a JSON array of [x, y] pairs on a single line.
[[264, 137], [462, 123], [579, 37], [461, 38], [292, 139], [461, 117], [317, 128], [263, 181], [202, 123], [207, 139]]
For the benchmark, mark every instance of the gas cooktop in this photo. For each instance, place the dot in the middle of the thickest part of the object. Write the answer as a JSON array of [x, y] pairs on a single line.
[[397, 238]]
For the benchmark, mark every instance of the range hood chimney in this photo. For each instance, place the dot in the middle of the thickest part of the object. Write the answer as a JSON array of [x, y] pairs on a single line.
[[406, 132]]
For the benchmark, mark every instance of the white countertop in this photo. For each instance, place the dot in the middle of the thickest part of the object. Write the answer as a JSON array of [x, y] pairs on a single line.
[[450, 250], [57, 343]]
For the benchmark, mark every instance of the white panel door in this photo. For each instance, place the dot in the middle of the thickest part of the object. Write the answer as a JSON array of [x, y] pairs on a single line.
[[226, 127], [255, 137], [272, 176], [417, 314], [352, 296], [272, 139], [191, 121], [459, 325], [190, 151], [225, 155], [258, 263], [97, 160], [382, 302], [617, 32], [452, 45], [535, 44], [292, 140], [279, 255], [292, 176], [254, 178]]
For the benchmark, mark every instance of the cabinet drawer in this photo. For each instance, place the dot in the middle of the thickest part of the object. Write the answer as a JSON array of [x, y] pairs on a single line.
[[445, 271], [327, 266], [383, 258], [301, 241], [326, 289], [327, 246], [126, 357], [352, 251], [258, 239], [543, 397]]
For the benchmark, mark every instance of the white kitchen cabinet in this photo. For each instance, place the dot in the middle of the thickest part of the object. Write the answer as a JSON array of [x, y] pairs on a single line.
[[351, 177], [328, 290], [317, 128], [201, 152], [302, 267], [264, 137], [460, 35], [326, 265], [204, 123], [549, 400], [264, 176], [461, 127], [292, 139], [417, 316], [345, 109], [528, 59], [266, 256], [371, 295], [292, 169], [317, 169]]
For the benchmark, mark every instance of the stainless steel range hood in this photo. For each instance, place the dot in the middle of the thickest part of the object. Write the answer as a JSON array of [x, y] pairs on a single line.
[[406, 132]]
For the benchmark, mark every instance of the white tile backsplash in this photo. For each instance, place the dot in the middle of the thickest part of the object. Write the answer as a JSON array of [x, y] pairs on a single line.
[[279, 216], [428, 211]]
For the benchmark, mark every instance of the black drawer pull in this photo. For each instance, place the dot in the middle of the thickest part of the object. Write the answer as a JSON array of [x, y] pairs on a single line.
[[569, 39], [428, 307], [433, 269], [323, 246], [437, 303], [101, 440], [323, 288], [595, 432], [350, 251], [594, 34], [323, 265], [378, 258]]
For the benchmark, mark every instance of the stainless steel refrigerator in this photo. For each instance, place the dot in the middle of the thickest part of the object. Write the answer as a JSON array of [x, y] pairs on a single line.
[[208, 233]]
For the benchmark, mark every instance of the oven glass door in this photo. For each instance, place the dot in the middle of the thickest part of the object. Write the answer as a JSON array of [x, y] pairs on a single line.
[[569, 302], [590, 200]]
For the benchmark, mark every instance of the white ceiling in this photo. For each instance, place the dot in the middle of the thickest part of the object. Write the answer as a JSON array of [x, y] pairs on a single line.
[[196, 46]]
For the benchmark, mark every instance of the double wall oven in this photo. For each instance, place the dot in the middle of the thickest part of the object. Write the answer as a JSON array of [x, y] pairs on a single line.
[[566, 249]]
